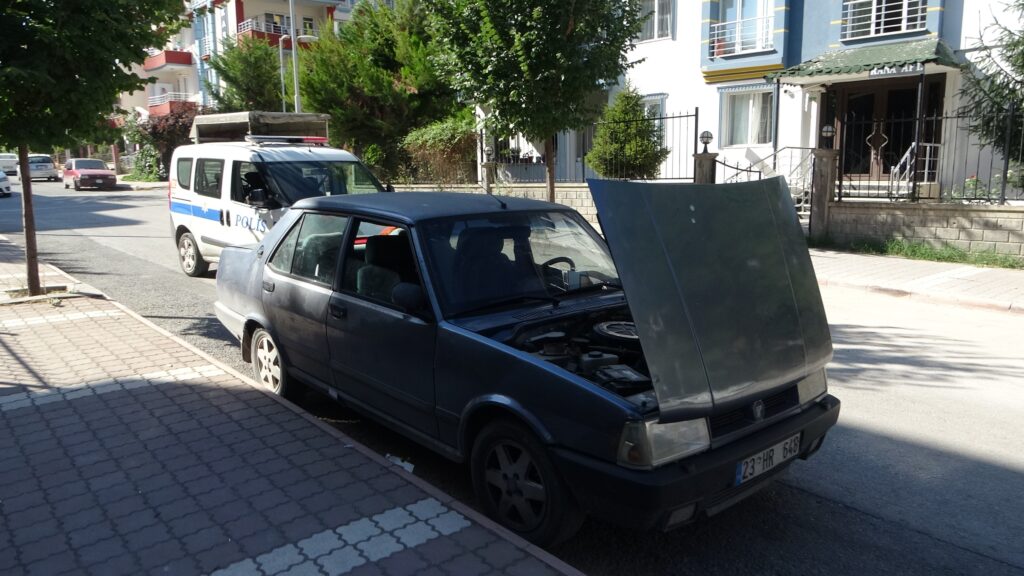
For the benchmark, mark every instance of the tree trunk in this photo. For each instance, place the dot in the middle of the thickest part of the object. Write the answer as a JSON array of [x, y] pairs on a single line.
[[29, 222], [549, 163]]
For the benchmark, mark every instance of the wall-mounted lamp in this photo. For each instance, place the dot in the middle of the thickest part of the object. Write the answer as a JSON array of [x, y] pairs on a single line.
[[705, 139]]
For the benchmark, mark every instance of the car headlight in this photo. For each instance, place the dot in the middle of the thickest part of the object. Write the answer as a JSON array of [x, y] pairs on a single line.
[[650, 443], [812, 387]]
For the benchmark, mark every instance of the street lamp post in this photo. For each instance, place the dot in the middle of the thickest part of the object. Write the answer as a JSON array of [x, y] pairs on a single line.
[[295, 66]]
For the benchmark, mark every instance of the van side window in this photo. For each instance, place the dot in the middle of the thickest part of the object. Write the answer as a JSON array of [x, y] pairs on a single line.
[[209, 174], [240, 187], [184, 173]]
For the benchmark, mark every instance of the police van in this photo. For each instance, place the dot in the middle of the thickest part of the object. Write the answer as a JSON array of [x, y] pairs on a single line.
[[230, 193]]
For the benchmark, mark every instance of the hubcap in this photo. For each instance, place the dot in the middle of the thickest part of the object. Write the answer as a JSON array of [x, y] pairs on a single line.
[[187, 250], [268, 363], [515, 486]]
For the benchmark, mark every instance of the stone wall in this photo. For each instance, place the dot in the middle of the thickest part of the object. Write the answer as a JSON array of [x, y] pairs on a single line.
[[972, 228], [576, 196]]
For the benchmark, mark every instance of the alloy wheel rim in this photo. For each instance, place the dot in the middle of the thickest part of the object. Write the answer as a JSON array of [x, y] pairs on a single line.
[[188, 254], [515, 486], [268, 363]]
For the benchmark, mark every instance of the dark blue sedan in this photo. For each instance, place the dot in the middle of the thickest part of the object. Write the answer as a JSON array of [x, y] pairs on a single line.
[[650, 389]]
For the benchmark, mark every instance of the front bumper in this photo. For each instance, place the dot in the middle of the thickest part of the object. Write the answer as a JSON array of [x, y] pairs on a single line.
[[662, 498]]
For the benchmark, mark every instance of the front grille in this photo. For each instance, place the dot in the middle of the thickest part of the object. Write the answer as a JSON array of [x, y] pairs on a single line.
[[736, 420]]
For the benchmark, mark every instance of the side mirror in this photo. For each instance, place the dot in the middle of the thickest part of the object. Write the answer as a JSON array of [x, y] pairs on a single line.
[[258, 198], [409, 297]]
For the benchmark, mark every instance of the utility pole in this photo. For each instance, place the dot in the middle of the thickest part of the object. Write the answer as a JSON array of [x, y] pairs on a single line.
[[295, 55]]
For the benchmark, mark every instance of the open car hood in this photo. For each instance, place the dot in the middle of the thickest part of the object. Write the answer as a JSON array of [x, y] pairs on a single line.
[[720, 284]]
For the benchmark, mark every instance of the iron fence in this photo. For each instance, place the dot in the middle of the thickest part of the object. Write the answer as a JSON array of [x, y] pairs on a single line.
[[517, 160], [940, 158]]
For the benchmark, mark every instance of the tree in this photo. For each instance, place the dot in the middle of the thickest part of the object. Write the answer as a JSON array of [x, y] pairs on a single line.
[[375, 78], [64, 66], [250, 74], [536, 64], [994, 84], [628, 142], [169, 131]]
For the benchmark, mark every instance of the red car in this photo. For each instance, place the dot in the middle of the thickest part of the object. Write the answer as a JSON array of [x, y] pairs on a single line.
[[88, 173]]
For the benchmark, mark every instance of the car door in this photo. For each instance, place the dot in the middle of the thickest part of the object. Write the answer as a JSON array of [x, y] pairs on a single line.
[[382, 356], [244, 224], [207, 204], [297, 283]]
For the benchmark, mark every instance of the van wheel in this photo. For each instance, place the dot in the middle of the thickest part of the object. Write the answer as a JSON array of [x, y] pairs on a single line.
[[267, 364], [192, 262], [516, 484]]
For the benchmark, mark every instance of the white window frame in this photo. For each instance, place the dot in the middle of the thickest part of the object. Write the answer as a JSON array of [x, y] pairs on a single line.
[[743, 35], [655, 32], [766, 116], [877, 12]]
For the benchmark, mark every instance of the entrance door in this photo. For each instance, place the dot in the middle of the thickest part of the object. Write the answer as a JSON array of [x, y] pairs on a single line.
[[859, 136]]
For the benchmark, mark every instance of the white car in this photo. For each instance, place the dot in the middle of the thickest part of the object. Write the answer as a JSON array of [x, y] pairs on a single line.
[[41, 167], [9, 164], [5, 185], [230, 193]]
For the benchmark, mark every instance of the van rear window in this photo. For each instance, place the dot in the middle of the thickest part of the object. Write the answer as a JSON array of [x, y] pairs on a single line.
[[184, 173]]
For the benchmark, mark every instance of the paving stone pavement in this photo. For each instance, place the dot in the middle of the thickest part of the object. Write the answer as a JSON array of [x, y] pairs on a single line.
[[125, 451]]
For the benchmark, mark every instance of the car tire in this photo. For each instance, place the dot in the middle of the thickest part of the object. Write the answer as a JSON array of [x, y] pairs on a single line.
[[267, 364], [191, 260], [517, 485]]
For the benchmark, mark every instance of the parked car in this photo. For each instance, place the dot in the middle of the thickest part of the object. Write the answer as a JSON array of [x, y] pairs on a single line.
[[5, 185], [231, 193], [9, 164], [88, 173], [496, 332], [41, 167]]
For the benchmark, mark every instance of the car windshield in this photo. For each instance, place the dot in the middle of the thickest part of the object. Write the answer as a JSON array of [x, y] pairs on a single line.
[[294, 181], [90, 165], [484, 262]]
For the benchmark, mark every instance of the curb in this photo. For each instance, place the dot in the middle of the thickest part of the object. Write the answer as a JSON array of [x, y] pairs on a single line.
[[475, 516], [995, 305]]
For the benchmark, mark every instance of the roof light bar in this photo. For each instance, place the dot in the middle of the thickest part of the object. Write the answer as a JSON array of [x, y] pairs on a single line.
[[256, 139]]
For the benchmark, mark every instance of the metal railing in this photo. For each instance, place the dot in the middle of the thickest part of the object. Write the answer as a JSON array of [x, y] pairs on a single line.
[[740, 36], [866, 18], [170, 97], [258, 24]]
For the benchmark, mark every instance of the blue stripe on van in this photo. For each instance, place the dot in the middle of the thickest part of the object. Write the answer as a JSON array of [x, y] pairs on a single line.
[[181, 208], [198, 212]]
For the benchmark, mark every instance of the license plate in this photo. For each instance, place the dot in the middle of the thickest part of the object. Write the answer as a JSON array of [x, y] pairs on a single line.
[[757, 464]]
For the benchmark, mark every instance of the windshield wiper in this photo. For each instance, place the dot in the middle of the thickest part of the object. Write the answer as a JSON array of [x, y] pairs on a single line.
[[598, 286], [508, 302]]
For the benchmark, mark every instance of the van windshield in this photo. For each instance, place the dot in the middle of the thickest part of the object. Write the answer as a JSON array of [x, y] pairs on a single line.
[[294, 181]]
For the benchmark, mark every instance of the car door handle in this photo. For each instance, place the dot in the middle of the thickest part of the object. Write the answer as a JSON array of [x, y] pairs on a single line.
[[268, 286], [338, 311], [227, 217]]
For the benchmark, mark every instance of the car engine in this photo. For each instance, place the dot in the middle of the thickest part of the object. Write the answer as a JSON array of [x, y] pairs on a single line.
[[603, 348]]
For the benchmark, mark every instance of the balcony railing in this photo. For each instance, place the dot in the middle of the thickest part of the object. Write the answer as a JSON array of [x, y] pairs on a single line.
[[866, 18], [170, 97], [260, 25], [740, 36]]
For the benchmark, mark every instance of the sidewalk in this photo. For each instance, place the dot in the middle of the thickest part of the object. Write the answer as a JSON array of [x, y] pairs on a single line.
[[994, 288], [124, 450], [142, 185]]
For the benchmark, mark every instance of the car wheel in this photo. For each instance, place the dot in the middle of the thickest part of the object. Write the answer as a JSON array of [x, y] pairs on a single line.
[[267, 364], [516, 484], [192, 262]]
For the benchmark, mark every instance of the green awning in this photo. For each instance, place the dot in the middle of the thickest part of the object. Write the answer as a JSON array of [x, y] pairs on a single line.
[[867, 61]]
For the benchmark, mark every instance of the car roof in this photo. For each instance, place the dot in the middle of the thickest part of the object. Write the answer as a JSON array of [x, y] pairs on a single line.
[[412, 207], [268, 152]]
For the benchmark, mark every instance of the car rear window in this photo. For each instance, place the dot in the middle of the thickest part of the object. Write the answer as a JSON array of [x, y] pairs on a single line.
[[90, 165], [39, 160]]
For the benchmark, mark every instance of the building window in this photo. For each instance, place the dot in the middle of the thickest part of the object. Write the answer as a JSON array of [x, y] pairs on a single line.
[[659, 24], [866, 18], [743, 26], [307, 26], [748, 118], [276, 23]]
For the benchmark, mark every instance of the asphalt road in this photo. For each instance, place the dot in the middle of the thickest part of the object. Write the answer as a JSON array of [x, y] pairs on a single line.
[[923, 475]]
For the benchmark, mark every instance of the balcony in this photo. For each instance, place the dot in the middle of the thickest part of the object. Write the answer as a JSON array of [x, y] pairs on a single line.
[[742, 37], [870, 18], [158, 59], [271, 32], [168, 102]]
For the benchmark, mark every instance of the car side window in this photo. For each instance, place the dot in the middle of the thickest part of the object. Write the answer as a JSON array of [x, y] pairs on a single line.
[[209, 175], [312, 248], [377, 259], [184, 173]]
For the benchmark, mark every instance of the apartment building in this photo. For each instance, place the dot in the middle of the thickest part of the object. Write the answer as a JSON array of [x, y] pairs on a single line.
[[180, 67], [769, 75]]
